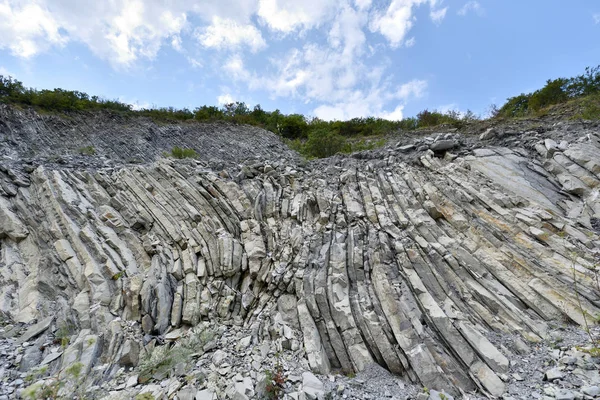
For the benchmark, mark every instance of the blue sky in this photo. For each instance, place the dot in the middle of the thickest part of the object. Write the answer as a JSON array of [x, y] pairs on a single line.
[[334, 59]]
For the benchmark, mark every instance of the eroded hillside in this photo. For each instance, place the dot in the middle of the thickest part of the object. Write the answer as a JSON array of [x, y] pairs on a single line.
[[452, 261]]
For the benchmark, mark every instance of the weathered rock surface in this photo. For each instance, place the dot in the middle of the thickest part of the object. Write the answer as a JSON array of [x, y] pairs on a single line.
[[398, 258]]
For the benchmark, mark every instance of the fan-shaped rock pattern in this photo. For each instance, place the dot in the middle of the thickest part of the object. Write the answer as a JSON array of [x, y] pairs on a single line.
[[408, 264]]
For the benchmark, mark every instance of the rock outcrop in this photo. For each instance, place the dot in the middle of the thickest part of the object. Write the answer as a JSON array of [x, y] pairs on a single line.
[[415, 260]]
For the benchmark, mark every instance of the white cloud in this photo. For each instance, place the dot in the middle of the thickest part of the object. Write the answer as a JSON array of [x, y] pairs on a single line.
[[225, 99], [336, 77], [471, 6], [362, 4], [235, 67], [176, 43], [321, 55], [347, 30], [397, 20], [121, 32], [438, 15], [227, 33], [330, 113], [395, 115], [414, 88], [596, 18], [28, 28], [194, 62], [135, 104], [395, 23], [289, 15]]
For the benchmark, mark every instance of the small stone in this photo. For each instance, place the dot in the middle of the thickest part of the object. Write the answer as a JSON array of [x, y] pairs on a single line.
[[443, 145], [406, 148], [593, 391], [205, 395], [210, 346], [568, 360], [312, 386], [564, 394], [488, 134], [553, 374], [245, 342], [518, 377], [219, 358]]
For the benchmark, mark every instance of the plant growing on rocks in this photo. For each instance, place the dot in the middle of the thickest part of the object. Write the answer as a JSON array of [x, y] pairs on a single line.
[[87, 151], [70, 379], [161, 361], [180, 153], [36, 373], [275, 382], [62, 335]]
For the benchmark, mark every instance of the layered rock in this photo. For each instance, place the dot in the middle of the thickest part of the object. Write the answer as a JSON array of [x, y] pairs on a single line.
[[413, 263]]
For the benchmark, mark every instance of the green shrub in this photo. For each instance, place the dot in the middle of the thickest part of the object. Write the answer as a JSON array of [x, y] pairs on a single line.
[[517, 106], [293, 126], [178, 152], [553, 93], [161, 361], [71, 380], [88, 150], [361, 145], [296, 126], [322, 143], [590, 108], [585, 84], [556, 91]]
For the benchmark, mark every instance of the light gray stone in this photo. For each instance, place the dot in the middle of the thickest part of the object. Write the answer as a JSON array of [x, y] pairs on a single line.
[[312, 387]]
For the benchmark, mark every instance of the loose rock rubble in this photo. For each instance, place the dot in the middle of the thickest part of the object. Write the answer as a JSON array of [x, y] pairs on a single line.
[[444, 266]]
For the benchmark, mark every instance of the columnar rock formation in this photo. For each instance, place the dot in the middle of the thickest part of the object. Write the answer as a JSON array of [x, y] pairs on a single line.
[[411, 261]]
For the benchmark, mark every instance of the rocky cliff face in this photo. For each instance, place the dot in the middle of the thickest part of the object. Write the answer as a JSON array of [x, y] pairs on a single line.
[[438, 258]]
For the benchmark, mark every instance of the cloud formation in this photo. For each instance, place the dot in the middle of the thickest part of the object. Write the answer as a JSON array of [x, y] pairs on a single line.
[[471, 6], [331, 63], [227, 33]]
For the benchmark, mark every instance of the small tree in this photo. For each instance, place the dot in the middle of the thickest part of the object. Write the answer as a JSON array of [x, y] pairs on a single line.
[[553, 93], [323, 143]]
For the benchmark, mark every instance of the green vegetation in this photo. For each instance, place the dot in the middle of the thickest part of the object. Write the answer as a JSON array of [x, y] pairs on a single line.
[[557, 91], [118, 276], [161, 362], [323, 143], [71, 379], [178, 152], [314, 137], [275, 381], [590, 108], [63, 334], [35, 374], [88, 151]]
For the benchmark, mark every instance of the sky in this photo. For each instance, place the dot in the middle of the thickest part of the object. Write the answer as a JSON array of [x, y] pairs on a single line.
[[331, 59]]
